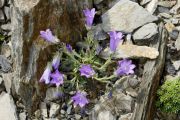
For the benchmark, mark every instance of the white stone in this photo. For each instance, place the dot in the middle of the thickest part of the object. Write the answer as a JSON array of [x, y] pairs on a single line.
[[7, 107]]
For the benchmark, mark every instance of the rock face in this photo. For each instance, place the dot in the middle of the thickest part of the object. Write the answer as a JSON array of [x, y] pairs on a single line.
[[7, 109], [126, 16], [30, 52], [145, 32]]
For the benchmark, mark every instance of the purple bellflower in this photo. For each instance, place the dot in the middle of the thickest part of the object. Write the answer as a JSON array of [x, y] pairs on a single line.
[[69, 47], [87, 71], [48, 36], [57, 78], [56, 61], [80, 99], [89, 14], [125, 67], [115, 38], [46, 75]]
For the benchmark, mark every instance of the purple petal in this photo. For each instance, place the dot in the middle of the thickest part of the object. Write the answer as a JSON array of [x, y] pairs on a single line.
[[56, 61], [57, 78], [46, 76]]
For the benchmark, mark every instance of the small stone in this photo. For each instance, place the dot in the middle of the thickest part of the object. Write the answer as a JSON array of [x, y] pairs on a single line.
[[22, 116], [170, 69], [62, 112], [105, 115], [126, 16], [163, 10], [5, 50], [132, 92], [51, 94], [97, 1], [126, 117], [176, 64], [69, 109], [131, 51], [7, 12], [175, 9], [145, 32], [177, 43], [173, 33], [170, 27], [78, 117], [2, 3], [6, 27], [167, 4], [165, 15], [37, 113], [2, 19], [43, 109], [151, 7], [7, 109], [54, 108], [8, 77], [1, 80]]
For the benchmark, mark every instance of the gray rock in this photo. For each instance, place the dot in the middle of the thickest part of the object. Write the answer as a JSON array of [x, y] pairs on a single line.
[[7, 13], [54, 109], [105, 115], [177, 43], [78, 117], [2, 19], [22, 116], [151, 7], [126, 117], [2, 3], [8, 81], [167, 4], [126, 16], [6, 27], [97, 1], [173, 32], [145, 32], [5, 64], [51, 94], [176, 64], [163, 10], [7, 109], [43, 109], [175, 9], [131, 51], [118, 104], [165, 15], [6, 50]]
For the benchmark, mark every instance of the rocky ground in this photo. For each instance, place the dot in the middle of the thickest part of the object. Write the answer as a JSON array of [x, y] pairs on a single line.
[[152, 38]]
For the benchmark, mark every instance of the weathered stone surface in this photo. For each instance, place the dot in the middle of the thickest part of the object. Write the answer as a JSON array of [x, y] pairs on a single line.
[[150, 80], [175, 9], [117, 105], [151, 7], [2, 19], [177, 43], [176, 64], [143, 2], [132, 51], [126, 16], [7, 13], [145, 32], [8, 81], [167, 4], [30, 52], [7, 109], [54, 109], [126, 117], [5, 65], [105, 115], [2, 3], [52, 94], [6, 50], [7, 27]]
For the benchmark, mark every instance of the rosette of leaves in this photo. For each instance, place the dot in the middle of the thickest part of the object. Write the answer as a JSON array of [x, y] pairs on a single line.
[[169, 96]]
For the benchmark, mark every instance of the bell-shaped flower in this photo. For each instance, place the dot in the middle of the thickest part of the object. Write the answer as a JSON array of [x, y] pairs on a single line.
[[125, 67], [56, 61], [89, 14], [80, 99], [46, 75], [68, 47], [115, 39], [87, 71], [57, 78], [48, 36]]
